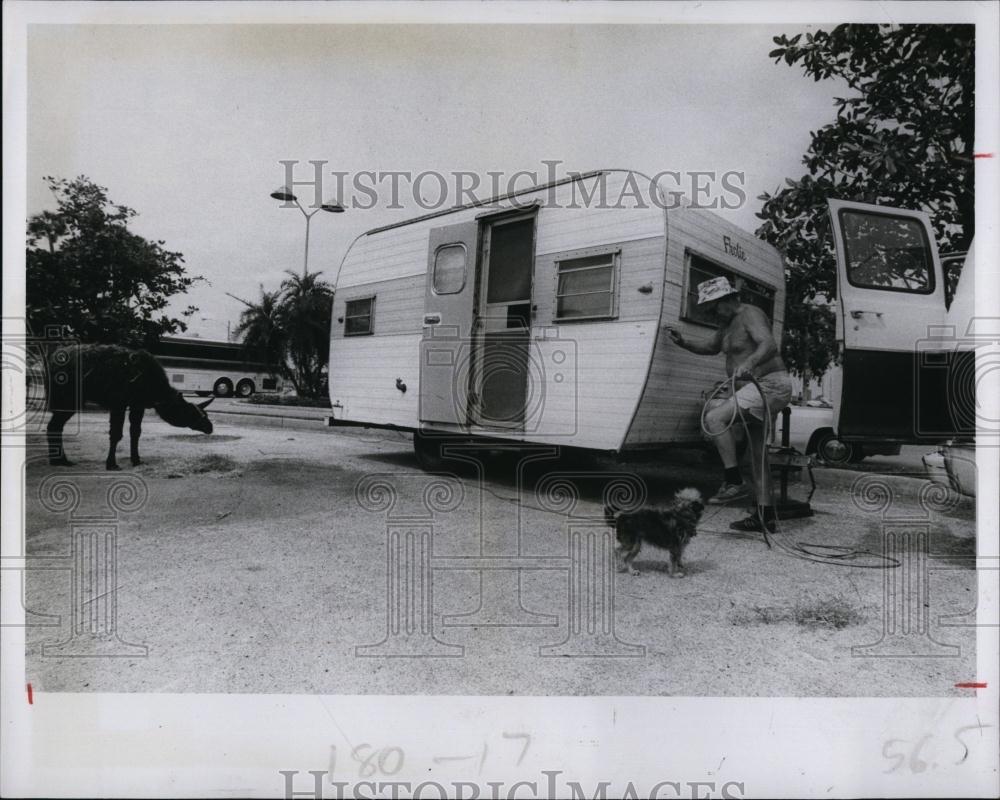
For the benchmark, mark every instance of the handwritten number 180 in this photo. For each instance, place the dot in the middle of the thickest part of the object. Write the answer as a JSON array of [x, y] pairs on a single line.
[[384, 761]]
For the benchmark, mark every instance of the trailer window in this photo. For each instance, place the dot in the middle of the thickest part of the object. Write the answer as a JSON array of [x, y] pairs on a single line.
[[586, 287], [887, 252], [450, 269], [358, 316], [701, 269]]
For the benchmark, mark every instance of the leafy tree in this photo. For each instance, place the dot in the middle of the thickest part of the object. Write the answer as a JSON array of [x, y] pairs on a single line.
[[292, 327], [903, 136], [90, 276]]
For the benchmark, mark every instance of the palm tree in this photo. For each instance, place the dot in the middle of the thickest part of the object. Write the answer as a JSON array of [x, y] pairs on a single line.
[[262, 330], [305, 308]]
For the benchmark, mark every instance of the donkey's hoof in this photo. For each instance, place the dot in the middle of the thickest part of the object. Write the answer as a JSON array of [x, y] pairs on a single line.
[[60, 462], [136, 462], [112, 468]]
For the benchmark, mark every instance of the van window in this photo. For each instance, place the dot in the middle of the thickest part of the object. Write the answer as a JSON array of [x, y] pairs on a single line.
[[702, 269], [358, 316], [450, 269], [586, 287], [886, 252]]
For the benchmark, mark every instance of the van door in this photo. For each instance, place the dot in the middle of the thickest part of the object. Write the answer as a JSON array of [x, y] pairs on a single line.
[[903, 379], [445, 350]]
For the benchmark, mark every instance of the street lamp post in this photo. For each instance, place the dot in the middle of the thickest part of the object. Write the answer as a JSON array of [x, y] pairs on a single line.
[[284, 194]]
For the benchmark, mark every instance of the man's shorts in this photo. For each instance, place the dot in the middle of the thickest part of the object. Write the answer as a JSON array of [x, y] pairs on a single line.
[[777, 388]]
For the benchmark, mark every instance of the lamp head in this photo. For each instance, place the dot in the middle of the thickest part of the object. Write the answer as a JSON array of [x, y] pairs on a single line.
[[284, 194]]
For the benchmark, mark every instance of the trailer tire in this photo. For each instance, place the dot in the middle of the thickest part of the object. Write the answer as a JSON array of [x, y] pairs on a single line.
[[223, 388], [245, 388], [834, 452]]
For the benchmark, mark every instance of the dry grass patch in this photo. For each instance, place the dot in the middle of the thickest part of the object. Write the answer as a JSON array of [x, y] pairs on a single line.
[[834, 613]]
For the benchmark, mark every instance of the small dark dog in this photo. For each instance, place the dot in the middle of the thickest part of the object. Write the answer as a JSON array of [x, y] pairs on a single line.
[[669, 528]]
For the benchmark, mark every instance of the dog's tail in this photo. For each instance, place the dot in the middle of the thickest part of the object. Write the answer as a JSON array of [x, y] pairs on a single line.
[[610, 515]]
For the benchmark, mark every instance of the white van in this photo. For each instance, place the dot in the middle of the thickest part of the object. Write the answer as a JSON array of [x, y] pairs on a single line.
[[908, 357]]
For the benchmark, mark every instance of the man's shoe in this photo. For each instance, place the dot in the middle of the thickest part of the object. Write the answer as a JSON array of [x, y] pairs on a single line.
[[729, 492], [753, 524]]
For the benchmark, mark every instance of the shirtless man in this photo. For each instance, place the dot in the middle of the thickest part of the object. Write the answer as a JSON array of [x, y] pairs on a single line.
[[745, 336]]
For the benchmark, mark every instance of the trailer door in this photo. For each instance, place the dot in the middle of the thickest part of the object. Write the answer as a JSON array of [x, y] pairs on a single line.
[[445, 350], [903, 379]]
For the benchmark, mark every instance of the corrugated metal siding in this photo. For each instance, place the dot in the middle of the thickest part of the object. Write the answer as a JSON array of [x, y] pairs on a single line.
[[671, 403], [641, 266], [399, 306], [363, 373], [601, 365], [402, 251], [582, 391]]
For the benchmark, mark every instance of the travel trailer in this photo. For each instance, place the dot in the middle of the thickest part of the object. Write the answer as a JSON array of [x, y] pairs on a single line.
[[539, 317], [908, 355]]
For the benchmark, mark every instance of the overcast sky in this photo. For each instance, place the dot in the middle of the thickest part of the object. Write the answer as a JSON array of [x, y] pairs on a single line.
[[187, 124]]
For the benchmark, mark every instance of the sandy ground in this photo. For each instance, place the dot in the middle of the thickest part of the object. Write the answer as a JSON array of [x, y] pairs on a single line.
[[258, 564]]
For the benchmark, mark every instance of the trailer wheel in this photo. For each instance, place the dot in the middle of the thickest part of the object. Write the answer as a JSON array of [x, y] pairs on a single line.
[[428, 451], [245, 388], [223, 388], [833, 451]]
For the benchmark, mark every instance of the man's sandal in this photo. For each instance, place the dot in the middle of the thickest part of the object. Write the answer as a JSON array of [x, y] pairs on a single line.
[[753, 524]]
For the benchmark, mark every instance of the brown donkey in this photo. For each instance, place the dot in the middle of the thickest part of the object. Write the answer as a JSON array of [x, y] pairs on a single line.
[[118, 379]]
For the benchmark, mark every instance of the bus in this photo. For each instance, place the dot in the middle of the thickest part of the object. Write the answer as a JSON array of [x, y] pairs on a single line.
[[206, 367]]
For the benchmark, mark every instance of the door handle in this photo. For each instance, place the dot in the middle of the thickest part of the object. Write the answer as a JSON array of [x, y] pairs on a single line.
[[859, 314], [432, 319]]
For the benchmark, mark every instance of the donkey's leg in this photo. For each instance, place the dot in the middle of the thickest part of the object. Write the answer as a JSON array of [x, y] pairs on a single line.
[[115, 435], [54, 434], [134, 432]]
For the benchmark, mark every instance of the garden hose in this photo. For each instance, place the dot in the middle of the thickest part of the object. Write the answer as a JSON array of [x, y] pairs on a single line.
[[808, 551]]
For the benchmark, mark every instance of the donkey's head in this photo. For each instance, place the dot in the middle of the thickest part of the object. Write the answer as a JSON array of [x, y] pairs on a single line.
[[181, 414]]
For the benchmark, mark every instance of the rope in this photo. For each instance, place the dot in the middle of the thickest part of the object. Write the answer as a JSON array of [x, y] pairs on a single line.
[[836, 555]]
